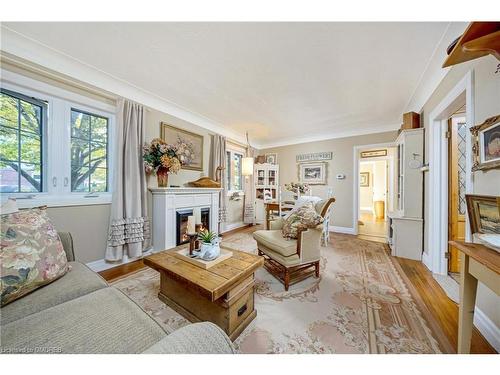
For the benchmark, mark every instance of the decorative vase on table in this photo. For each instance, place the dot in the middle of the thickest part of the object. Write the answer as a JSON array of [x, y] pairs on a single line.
[[163, 158], [162, 176]]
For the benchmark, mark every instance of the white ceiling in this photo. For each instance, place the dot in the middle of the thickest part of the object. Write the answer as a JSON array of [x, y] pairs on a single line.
[[283, 82]]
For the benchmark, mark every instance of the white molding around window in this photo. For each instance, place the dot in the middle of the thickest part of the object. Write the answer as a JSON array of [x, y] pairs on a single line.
[[56, 147]]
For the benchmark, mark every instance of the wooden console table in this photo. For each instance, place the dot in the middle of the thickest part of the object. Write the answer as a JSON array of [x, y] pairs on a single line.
[[477, 263]]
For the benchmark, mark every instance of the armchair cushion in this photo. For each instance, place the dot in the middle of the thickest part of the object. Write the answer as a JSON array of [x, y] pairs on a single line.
[[273, 239], [305, 217]]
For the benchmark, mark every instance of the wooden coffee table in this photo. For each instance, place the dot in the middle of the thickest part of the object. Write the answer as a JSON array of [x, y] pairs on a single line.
[[222, 294]]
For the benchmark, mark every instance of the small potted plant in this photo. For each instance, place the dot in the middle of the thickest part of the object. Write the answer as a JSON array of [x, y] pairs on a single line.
[[209, 248]]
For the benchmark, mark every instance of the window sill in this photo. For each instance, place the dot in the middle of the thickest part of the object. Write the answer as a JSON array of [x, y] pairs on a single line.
[[59, 201]]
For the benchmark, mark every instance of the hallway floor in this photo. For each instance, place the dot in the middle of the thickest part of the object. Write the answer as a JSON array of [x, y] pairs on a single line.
[[371, 228]]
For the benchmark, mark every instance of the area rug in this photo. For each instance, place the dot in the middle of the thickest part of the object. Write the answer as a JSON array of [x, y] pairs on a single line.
[[359, 304]]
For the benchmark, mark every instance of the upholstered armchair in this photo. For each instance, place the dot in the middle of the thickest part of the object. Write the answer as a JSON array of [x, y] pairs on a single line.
[[291, 261]]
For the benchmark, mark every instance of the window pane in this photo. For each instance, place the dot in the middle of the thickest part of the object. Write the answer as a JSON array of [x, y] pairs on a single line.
[[228, 170], [89, 152], [98, 180], [9, 142], [237, 172], [31, 178], [99, 129], [80, 153], [80, 125], [8, 111], [31, 117], [9, 178], [30, 148], [21, 143], [80, 179]]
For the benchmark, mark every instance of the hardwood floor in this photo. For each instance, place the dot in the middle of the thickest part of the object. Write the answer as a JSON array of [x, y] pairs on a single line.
[[443, 310]]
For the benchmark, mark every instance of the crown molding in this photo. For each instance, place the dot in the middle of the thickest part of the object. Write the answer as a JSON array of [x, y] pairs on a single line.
[[29, 50], [329, 135], [433, 73]]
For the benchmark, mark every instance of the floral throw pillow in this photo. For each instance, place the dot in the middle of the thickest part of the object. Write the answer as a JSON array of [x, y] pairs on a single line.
[[301, 219], [31, 253]]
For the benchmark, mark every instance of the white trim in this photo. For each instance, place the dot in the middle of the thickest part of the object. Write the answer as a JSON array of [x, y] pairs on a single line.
[[487, 328], [438, 170], [67, 200], [355, 178], [434, 73], [21, 46], [232, 226], [345, 230], [374, 129]]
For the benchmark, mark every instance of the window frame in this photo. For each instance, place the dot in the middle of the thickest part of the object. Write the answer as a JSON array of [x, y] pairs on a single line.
[[56, 154], [230, 190], [43, 134]]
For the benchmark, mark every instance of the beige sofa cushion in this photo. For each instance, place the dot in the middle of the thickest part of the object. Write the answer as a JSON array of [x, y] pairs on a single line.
[[273, 239], [105, 321], [79, 280], [206, 338], [31, 255]]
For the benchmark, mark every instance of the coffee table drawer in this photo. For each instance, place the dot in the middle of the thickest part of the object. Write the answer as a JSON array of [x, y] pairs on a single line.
[[241, 308]]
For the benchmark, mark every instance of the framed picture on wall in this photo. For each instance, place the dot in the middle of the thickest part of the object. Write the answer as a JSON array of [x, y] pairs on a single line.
[[484, 213], [364, 179], [272, 158], [486, 144], [313, 173], [171, 134]]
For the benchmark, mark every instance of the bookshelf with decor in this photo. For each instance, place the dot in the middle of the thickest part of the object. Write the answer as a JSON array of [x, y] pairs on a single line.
[[266, 188]]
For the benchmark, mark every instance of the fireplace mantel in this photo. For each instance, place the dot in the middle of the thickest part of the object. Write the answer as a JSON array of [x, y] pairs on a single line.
[[166, 202]]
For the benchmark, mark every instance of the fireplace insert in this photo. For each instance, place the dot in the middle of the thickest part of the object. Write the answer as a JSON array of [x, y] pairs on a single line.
[[181, 223]]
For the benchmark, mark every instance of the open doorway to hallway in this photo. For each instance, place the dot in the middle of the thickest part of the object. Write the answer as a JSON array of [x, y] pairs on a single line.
[[375, 193]]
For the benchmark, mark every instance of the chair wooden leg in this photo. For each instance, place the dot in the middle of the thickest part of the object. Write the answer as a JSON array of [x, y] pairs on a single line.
[[260, 252], [316, 268], [287, 279]]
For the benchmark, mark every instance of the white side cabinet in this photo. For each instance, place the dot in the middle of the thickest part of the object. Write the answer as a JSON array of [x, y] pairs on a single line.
[[406, 223], [266, 179]]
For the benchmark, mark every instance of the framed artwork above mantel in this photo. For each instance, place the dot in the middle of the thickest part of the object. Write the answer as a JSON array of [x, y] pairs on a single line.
[[171, 134]]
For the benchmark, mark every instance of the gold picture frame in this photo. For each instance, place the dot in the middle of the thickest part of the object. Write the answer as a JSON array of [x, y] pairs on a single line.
[[484, 213], [484, 137], [171, 134], [364, 179]]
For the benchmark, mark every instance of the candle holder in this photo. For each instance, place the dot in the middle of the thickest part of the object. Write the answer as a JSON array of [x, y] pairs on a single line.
[[192, 242]]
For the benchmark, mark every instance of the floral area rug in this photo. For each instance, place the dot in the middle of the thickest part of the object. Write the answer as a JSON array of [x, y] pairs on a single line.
[[359, 304]]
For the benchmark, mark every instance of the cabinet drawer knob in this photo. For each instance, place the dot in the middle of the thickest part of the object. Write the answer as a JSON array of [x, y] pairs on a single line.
[[242, 310]]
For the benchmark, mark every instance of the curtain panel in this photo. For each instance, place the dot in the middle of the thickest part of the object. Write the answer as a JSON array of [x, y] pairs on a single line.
[[218, 159], [129, 232], [248, 207]]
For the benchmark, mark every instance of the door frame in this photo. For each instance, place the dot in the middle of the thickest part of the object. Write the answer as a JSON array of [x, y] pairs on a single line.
[[434, 258], [355, 179]]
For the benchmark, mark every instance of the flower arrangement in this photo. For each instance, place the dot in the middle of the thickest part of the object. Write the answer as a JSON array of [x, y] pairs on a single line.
[[162, 158], [297, 187]]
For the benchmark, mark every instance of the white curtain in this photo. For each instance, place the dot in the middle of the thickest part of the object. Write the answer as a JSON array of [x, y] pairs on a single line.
[[248, 207], [129, 224], [218, 159]]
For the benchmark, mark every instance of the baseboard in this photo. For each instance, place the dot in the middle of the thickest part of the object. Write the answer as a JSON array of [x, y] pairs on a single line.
[[427, 261], [367, 209], [232, 226], [101, 264], [488, 329], [346, 230]]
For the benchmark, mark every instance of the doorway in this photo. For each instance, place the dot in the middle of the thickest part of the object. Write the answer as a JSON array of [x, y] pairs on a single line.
[[373, 205], [456, 134]]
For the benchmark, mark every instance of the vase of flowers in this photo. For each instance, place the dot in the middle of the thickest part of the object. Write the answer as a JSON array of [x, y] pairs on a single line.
[[162, 158], [297, 188]]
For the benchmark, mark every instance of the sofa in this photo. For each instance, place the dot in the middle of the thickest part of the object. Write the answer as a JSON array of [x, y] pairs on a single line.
[[81, 313]]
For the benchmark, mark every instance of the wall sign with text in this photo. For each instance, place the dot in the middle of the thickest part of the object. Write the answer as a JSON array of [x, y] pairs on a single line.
[[314, 156], [373, 153]]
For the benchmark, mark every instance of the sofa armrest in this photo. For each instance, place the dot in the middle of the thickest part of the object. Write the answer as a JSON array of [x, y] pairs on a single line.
[[276, 224], [310, 242], [197, 338], [67, 242]]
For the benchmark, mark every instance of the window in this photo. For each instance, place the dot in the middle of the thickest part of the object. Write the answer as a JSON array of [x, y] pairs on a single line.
[[89, 152], [233, 170], [22, 123], [54, 148]]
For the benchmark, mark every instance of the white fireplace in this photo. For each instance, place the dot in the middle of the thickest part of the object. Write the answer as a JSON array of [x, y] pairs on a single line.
[[170, 203]]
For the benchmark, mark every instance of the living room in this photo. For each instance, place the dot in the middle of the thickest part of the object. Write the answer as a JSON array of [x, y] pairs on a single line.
[[250, 187]]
